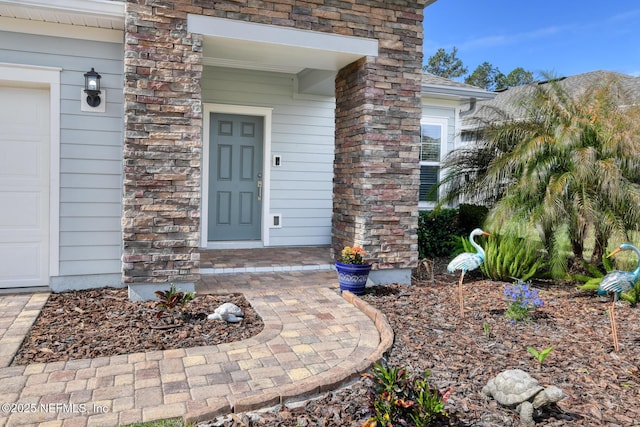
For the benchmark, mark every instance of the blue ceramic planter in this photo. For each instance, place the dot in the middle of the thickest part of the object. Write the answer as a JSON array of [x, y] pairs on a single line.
[[353, 277]]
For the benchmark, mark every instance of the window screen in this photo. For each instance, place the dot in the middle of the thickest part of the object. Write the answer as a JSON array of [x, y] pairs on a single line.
[[428, 180]]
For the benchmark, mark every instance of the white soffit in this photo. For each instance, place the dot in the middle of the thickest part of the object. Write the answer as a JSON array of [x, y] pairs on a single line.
[[251, 45], [104, 14]]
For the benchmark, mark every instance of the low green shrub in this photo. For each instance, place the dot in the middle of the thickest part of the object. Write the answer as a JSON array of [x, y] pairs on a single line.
[[439, 230], [398, 400], [470, 217], [436, 232]]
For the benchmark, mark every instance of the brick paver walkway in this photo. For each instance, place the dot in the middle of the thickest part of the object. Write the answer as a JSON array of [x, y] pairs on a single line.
[[314, 340]]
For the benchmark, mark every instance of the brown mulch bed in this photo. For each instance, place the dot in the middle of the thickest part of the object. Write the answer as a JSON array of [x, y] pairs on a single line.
[[103, 322], [603, 387]]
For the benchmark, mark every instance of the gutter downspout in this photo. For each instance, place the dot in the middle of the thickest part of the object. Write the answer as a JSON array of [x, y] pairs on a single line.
[[472, 108]]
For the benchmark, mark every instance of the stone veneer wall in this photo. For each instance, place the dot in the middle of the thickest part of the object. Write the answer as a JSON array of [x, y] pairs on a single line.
[[376, 166], [162, 147], [377, 128]]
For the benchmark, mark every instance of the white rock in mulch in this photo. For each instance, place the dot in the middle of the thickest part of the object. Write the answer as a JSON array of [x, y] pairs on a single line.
[[228, 312]]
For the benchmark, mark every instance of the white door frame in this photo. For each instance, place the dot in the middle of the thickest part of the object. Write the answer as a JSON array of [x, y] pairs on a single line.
[[45, 77], [266, 114]]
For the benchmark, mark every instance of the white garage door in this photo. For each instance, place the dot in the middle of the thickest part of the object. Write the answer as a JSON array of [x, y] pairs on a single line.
[[24, 187]]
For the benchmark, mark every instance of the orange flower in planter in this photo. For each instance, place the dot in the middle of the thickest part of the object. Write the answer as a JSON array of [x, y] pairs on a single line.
[[353, 255]]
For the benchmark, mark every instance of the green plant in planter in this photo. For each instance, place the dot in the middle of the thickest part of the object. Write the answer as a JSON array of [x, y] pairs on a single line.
[[398, 400], [171, 299]]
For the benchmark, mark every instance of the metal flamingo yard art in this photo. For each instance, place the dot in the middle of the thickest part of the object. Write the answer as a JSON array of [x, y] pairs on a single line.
[[616, 282], [467, 261]]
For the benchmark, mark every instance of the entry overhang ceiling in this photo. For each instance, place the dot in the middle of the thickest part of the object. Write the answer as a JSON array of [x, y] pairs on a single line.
[[269, 47], [314, 57]]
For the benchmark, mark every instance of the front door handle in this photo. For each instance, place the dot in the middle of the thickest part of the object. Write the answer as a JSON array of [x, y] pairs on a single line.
[[259, 190]]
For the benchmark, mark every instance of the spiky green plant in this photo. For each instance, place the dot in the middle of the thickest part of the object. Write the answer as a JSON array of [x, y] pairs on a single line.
[[509, 256]]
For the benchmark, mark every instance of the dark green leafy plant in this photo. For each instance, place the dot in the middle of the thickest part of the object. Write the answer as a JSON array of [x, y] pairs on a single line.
[[171, 299], [439, 230], [436, 230], [470, 217], [459, 244], [429, 402], [398, 400]]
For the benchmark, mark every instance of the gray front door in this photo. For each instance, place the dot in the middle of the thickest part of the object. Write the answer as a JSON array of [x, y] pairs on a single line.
[[235, 177]]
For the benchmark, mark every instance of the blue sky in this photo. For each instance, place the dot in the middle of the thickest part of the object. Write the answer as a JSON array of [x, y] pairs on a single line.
[[564, 37]]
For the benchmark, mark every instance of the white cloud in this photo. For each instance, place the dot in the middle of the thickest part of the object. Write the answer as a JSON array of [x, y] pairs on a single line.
[[626, 16], [511, 39]]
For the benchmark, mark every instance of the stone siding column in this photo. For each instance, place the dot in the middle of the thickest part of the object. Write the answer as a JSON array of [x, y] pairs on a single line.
[[376, 165], [162, 148]]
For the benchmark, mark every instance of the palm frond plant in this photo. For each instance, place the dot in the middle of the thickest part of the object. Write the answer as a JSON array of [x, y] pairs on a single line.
[[567, 163]]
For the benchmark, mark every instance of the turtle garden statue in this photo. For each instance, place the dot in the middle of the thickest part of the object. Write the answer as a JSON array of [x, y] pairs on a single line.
[[228, 312], [515, 388]]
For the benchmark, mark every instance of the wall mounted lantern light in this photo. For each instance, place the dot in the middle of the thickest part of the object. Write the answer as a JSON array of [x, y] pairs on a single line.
[[92, 87]]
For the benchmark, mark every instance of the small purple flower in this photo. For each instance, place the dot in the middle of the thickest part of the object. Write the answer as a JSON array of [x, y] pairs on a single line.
[[521, 299]]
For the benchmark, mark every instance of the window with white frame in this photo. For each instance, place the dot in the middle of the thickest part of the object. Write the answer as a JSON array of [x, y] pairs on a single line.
[[433, 145]]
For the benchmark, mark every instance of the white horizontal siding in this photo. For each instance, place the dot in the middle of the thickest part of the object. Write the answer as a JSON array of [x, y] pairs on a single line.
[[90, 148], [89, 166], [310, 185], [303, 134]]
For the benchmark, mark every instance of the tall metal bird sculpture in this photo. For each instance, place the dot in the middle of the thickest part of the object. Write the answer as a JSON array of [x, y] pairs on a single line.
[[616, 282], [467, 261]]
